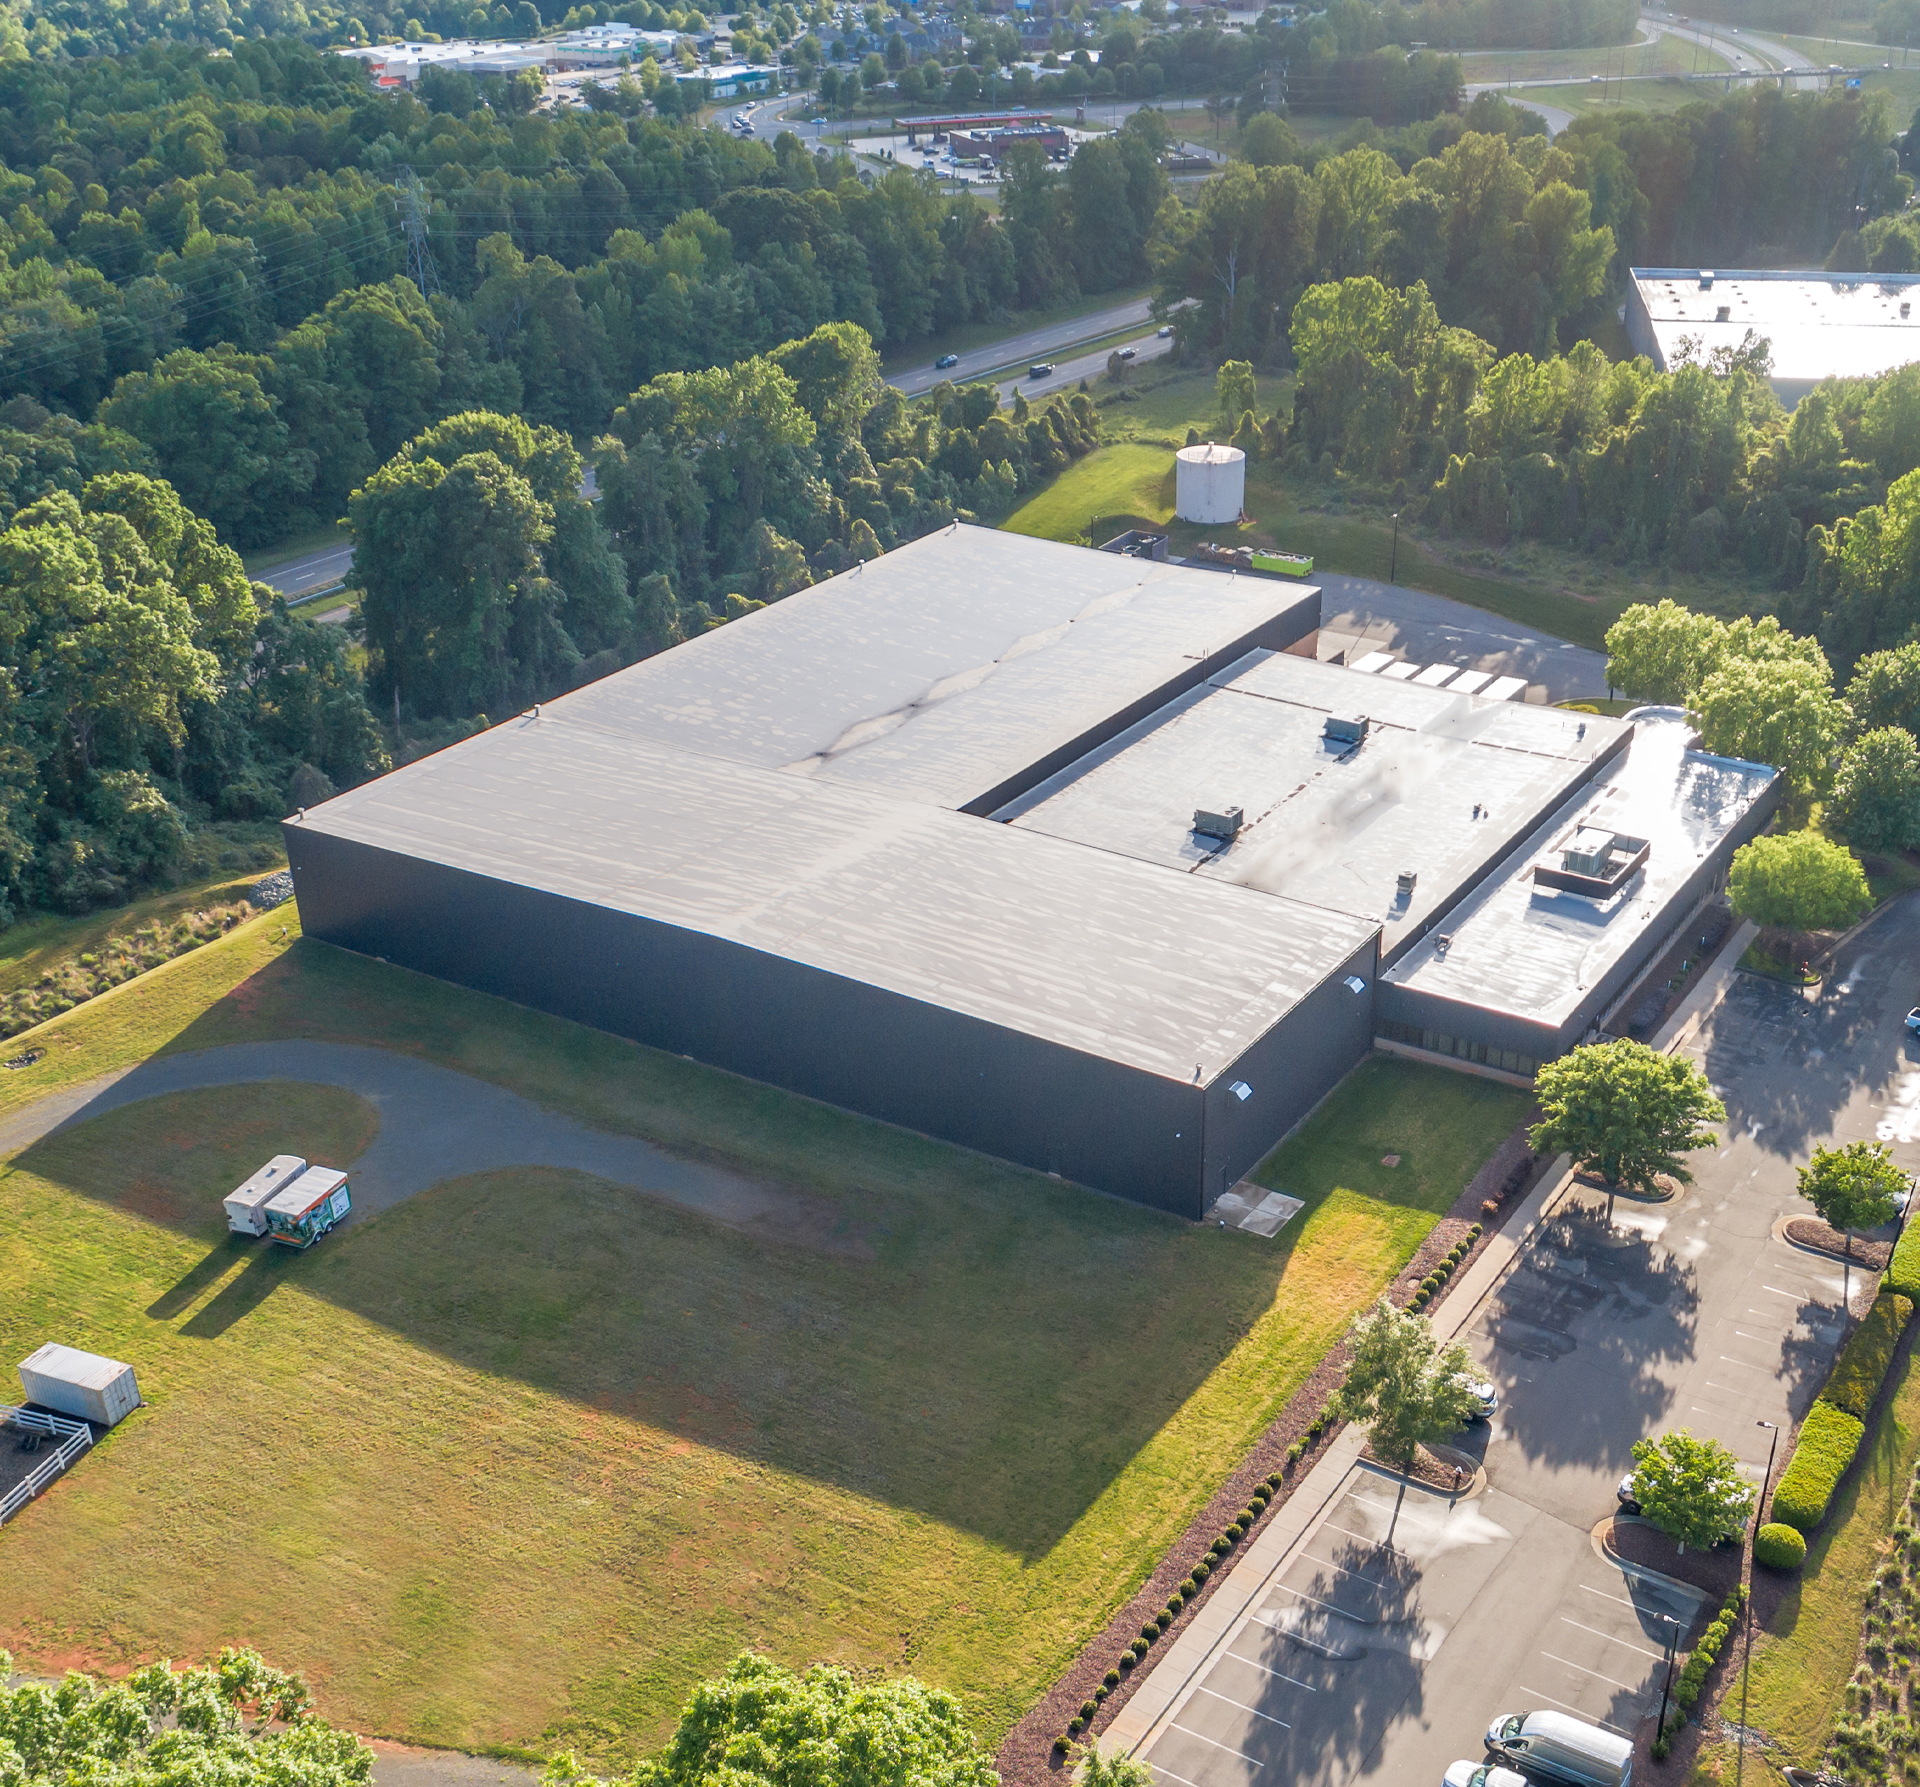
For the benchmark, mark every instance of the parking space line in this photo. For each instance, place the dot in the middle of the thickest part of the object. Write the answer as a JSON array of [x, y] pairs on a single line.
[[1244, 1707], [1328, 1605], [1327, 1563], [1625, 1687], [1275, 1673], [1417, 1519], [1364, 1538], [1657, 1656], [1744, 1364], [1577, 1711], [1200, 1737], [1160, 1768], [1602, 1593]]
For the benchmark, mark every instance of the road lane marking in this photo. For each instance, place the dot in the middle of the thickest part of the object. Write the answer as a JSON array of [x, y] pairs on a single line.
[[1245, 1708], [1200, 1737], [1578, 1711], [1160, 1768], [1584, 1670], [1278, 1675], [1657, 1656]]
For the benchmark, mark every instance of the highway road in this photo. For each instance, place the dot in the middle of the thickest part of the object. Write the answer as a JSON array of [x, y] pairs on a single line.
[[313, 571], [1030, 345], [1069, 372], [1377, 1641]]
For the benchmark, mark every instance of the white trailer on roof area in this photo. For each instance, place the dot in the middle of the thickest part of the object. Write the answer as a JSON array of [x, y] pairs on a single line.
[[84, 1385], [247, 1205]]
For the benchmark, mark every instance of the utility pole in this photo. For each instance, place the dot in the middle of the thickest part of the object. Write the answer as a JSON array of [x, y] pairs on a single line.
[[414, 206]]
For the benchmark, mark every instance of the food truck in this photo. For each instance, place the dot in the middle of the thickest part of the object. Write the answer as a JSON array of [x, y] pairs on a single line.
[[312, 1204], [246, 1206]]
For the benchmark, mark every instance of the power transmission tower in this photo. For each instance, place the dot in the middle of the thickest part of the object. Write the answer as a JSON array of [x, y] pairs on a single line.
[[414, 206]]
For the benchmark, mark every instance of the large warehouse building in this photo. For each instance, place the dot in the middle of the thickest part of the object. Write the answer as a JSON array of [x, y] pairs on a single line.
[[1072, 857]]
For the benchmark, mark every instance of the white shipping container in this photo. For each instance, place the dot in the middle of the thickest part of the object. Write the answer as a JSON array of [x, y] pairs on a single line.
[[247, 1205], [83, 1385]]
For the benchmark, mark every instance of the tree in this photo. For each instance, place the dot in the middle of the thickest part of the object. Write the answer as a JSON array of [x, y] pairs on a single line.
[[1112, 1768], [1856, 1186], [1625, 1111], [1269, 142], [1798, 881], [1403, 1383], [240, 1723], [1885, 690], [1782, 712], [760, 1725], [1233, 390], [1661, 651], [1876, 792], [1691, 1489]]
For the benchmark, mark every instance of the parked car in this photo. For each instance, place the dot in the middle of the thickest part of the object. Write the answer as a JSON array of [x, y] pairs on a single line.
[[1485, 1395], [1626, 1495], [946, 360], [1481, 1774], [1040, 369], [1562, 1748]]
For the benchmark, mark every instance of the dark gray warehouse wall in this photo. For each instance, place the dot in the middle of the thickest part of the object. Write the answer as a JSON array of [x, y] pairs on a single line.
[[928, 1068], [1289, 1070]]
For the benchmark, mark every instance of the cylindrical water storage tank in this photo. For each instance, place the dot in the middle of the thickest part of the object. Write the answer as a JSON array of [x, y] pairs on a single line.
[[1210, 483]]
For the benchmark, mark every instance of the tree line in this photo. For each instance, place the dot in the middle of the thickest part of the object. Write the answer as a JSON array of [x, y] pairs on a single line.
[[150, 692]]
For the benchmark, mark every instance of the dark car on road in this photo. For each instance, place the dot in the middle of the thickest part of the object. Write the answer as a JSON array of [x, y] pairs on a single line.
[[946, 360], [1040, 369]]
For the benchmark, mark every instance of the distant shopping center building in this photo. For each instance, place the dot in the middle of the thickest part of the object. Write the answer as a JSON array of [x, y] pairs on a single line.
[[1079, 858]]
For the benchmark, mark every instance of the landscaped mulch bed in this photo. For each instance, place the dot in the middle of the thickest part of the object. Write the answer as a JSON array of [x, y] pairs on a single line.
[[1810, 1231], [1428, 1471], [1026, 1757], [1715, 1572], [1663, 1188]]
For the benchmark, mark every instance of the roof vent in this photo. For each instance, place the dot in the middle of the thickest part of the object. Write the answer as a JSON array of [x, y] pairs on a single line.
[[1723, 314], [1404, 881], [1443, 943], [1706, 282], [1906, 307], [1224, 826], [1346, 729]]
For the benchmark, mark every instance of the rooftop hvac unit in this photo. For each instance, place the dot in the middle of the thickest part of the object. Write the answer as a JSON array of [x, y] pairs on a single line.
[[1225, 826], [1347, 729], [1404, 882]]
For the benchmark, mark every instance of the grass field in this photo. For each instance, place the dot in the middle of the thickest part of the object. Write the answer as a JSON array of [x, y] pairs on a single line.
[[1664, 55], [514, 1464], [1802, 1660]]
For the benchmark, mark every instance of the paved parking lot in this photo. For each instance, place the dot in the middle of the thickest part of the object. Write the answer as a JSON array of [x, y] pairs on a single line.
[[1400, 1623]]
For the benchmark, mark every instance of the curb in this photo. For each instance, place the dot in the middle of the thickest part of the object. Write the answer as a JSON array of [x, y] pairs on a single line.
[[1606, 1553]]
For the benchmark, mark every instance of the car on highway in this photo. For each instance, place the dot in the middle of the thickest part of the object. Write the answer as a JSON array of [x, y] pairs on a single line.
[[946, 360], [1481, 1774], [1166, 334], [1040, 369], [1596, 79], [1127, 353]]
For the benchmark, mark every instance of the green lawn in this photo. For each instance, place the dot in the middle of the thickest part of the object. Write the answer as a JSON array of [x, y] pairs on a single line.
[[1664, 55], [1802, 1660], [513, 1464]]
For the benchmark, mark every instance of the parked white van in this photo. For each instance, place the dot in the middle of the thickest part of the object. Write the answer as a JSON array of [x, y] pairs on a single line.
[[1562, 1747]]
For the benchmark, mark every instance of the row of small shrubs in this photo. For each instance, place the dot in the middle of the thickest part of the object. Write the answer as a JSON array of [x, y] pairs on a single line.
[[1864, 1361], [1516, 1177], [1829, 1438], [1429, 1287], [1836, 1424], [1230, 1536], [1693, 1678], [1875, 1737]]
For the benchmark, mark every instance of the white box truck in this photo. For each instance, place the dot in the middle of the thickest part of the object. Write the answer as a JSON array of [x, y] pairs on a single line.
[[246, 1205], [83, 1385]]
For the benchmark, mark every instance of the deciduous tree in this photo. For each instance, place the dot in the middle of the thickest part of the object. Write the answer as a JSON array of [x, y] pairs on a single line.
[[1876, 791], [1797, 881], [1403, 1384], [1691, 1489], [1625, 1111]]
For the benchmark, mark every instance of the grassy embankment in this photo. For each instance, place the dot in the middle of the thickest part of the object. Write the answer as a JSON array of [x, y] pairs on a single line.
[[513, 1464], [1805, 1654]]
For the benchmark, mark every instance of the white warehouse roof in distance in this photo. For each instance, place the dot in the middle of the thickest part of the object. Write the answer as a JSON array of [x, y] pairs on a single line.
[[1818, 325]]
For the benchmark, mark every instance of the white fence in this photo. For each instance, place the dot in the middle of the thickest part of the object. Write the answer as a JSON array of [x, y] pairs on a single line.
[[73, 1438]]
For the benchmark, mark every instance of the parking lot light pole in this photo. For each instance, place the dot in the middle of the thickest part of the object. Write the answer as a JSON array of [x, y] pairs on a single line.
[[1394, 564], [1673, 1639], [1746, 1656]]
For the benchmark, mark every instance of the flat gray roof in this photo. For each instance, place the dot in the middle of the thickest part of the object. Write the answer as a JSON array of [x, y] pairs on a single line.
[[941, 669], [1084, 948], [1533, 952], [1325, 823]]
